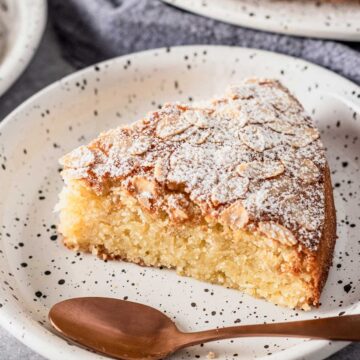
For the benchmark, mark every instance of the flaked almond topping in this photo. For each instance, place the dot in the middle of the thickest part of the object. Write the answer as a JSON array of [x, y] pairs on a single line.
[[161, 169], [304, 169], [79, 173], [243, 92], [146, 191], [231, 112], [144, 186], [78, 158], [254, 138], [303, 137], [200, 137], [302, 216], [260, 169], [172, 124], [177, 207], [281, 126], [201, 118], [280, 186], [258, 112], [185, 135], [219, 136], [212, 151], [235, 216], [308, 171], [306, 223], [290, 158], [284, 103], [233, 189], [139, 145], [177, 214], [120, 139], [277, 232]]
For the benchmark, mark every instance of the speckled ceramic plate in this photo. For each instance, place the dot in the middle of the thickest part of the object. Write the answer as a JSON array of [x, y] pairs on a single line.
[[22, 23], [312, 18], [36, 270]]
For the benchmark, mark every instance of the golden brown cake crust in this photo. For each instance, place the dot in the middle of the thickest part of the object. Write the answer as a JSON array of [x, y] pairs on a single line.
[[324, 253], [250, 159]]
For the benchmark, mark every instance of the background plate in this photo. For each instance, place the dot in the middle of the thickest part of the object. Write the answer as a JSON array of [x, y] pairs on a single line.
[[22, 23], [310, 18], [36, 271]]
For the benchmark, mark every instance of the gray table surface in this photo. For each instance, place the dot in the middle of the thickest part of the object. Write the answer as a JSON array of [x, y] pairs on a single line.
[[46, 67]]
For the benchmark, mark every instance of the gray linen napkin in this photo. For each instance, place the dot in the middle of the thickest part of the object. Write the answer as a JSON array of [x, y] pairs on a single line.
[[94, 30]]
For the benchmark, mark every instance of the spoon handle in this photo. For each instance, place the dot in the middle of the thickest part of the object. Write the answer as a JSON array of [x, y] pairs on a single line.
[[345, 328]]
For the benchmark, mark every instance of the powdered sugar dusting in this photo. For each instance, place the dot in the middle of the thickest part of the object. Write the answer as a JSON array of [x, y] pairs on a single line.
[[256, 144]]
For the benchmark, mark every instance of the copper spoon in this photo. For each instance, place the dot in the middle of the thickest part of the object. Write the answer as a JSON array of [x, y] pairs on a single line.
[[128, 330]]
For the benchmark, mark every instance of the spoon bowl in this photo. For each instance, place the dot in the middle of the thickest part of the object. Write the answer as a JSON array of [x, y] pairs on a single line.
[[132, 331], [122, 329]]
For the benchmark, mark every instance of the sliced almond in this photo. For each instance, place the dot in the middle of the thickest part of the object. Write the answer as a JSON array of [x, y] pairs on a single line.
[[70, 173], [78, 158], [256, 111], [240, 92], [186, 134], [282, 127], [303, 137], [161, 169], [177, 207], [171, 124], [202, 118], [120, 139], [285, 103], [117, 165], [290, 160], [229, 190], [145, 186], [277, 232], [280, 186], [146, 191], [235, 216], [260, 169], [178, 214], [139, 146], [304, 169], [219, 136], [254, 138], [308, 171], [231, 112], [200, 137], [299, 214]]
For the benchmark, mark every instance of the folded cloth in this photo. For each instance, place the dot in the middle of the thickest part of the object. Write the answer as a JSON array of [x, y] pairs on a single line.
[[93, 30]]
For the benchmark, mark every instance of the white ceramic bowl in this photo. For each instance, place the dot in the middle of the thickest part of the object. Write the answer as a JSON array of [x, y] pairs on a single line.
[[24, 23], [328, 20], [74, 110]]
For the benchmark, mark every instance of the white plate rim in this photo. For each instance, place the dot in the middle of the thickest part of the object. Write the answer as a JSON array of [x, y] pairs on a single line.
[[318, 349], [296, 28], [27, 42]]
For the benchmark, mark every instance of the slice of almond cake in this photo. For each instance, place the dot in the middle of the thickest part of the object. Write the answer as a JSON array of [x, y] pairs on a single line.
[[235, 191]]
